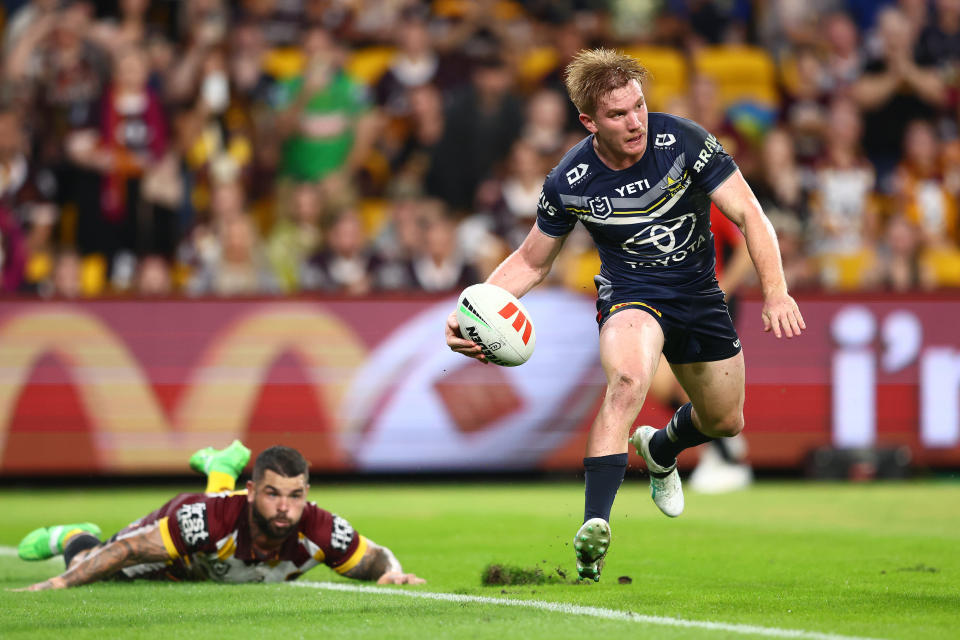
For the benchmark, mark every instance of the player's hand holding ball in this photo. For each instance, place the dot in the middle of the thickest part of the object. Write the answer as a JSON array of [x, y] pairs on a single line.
[[491, 325]]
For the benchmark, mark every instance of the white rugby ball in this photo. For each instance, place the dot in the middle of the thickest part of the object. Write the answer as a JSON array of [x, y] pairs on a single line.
[[498, 322]]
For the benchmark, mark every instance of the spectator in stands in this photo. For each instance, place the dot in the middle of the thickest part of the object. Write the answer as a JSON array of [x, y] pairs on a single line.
[[804, 105], [410, 162], [900, 268], [130, 29], [24, 19], [242, 269], [843, 221], [325, 118], [250, 111], [896, 87], [346, 263], [940, 39], [27, 211], [511, 202], [707, 109], [225, 251], [781, 185], [154, 279], [281, 21], [295, 237], [481, 123], [545, 128], [798, 268], [205, 30], [415, 64], [920, 191], [400, 240], [133, 139], [67, 276], [63, 74], [440, 267], [843, 61]]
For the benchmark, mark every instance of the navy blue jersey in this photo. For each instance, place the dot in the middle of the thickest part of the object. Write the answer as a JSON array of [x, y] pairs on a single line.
[[651, 221]]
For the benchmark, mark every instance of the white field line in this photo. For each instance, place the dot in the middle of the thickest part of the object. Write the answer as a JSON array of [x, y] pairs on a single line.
[[578, 610], [569, 609]]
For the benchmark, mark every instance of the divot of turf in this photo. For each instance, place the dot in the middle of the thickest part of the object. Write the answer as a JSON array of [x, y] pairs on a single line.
[[501, 574]]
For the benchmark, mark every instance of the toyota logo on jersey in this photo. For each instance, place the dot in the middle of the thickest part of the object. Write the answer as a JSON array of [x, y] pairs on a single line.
[[656, 240]]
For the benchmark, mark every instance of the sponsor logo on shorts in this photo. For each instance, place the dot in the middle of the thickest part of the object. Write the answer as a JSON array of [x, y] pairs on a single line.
[[192, 519], [736, 343], [621, 305], [341, 535]]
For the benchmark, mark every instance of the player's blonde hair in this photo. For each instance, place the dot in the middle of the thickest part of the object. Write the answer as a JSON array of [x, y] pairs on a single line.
[[594, 73]]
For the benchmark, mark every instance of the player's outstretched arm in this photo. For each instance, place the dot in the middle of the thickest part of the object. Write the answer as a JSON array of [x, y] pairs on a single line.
[[102, 562], [521, 271], [379, 563], [780, 311]]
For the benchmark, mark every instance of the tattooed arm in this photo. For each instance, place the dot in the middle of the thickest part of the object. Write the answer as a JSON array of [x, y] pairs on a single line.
[[102, 562], [378, 563]]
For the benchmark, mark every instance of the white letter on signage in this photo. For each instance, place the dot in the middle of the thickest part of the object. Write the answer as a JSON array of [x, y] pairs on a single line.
[[854, 373], [939, 405]]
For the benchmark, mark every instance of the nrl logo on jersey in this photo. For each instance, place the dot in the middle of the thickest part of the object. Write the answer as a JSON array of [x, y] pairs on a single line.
[[578, 173], [600, 207], [664, 140]]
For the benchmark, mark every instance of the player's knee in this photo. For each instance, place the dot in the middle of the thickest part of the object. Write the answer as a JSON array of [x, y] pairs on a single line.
[[627, 390], [728, 426]]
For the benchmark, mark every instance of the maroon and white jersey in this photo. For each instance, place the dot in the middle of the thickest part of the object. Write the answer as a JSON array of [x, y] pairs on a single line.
[[208, 538]]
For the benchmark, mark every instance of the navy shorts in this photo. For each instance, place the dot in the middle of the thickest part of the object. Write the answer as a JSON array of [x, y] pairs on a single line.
[[696, 328]]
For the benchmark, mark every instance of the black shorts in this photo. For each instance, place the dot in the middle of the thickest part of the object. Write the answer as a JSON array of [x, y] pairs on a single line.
[[696, 328]]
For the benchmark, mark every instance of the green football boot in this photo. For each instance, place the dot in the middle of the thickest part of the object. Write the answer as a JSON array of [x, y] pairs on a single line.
[[47, 542], [230, 460], [591, 544]]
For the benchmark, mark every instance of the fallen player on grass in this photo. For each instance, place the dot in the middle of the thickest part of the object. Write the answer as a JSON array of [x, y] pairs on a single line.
[[266, 533]]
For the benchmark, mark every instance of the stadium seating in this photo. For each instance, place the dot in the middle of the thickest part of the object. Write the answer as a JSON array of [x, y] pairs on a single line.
[[742, 73], [668, 70], [368, 64]]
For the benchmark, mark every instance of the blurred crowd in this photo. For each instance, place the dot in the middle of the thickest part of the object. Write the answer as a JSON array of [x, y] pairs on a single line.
[[273, 147]]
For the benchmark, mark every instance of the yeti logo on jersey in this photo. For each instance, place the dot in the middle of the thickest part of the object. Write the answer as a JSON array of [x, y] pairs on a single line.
[[600, 207], [546, 206], [664, 140], [192, 519], [659, 239], [576, 174], [342, 534]]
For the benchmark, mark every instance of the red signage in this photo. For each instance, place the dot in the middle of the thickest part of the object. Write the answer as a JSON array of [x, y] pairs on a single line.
[[135, 387]]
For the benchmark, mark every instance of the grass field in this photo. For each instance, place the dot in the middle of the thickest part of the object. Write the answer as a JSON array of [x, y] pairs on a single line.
[[779, 560]]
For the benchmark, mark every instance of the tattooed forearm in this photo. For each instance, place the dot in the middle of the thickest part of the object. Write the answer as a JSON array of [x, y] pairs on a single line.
[[112, 557], [99, 564], [375, 562]]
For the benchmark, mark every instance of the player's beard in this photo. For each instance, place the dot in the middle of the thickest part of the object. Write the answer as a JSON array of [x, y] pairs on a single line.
[[268, 528]]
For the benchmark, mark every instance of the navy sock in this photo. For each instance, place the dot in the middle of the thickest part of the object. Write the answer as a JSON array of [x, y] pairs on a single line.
[[679, 434], [604, 474], [78, 543]]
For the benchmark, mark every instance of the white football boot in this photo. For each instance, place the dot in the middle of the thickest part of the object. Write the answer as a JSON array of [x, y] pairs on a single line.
[[591, 544], [665, 486]]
